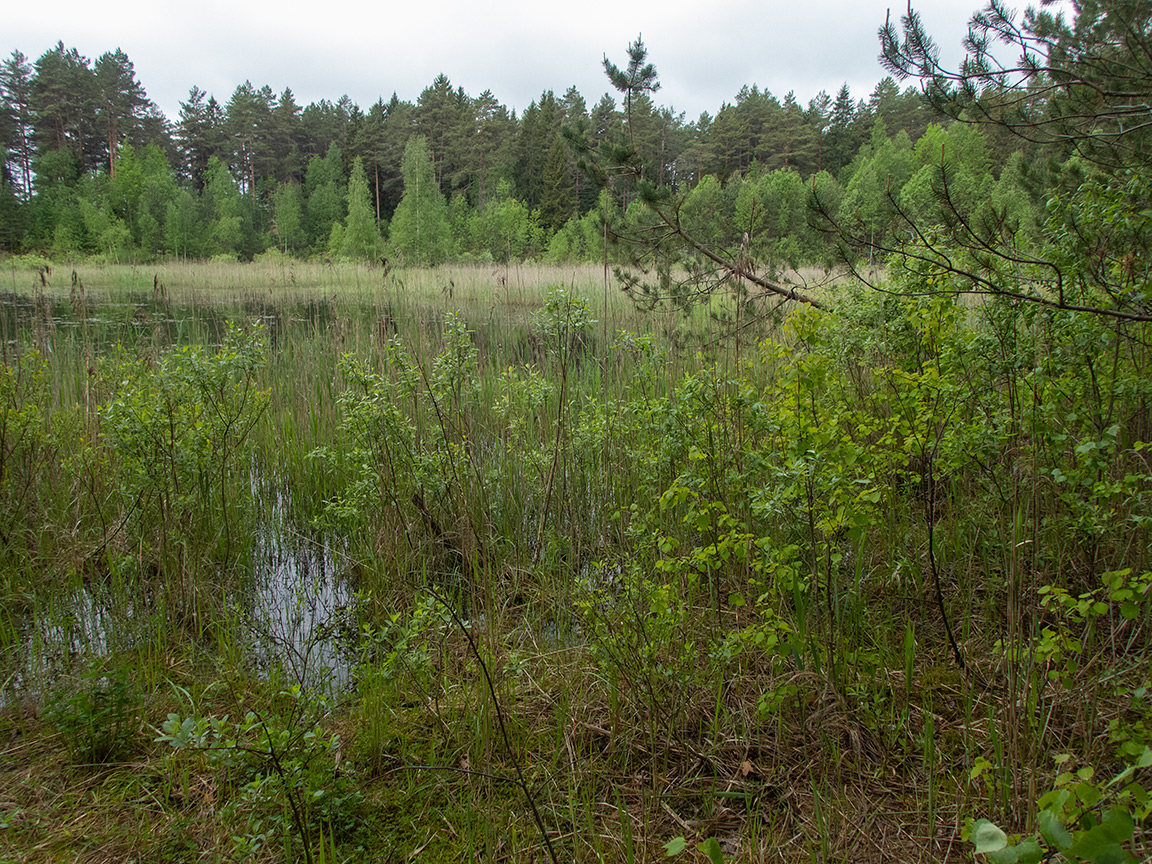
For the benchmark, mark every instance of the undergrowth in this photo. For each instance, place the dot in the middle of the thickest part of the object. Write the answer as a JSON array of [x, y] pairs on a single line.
[[873, 590]]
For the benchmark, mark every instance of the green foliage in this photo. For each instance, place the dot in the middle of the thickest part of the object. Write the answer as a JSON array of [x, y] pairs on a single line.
[[771, 211], [112, 180], [742, 542], [558, 196], [407, 436], [222, 210], [563, 322], [179, 427], [675, 846], [503, 228], [183, 229], [747, 528], [420, 230], [710, 848], [101, 718], [288, 217], [280, 770], [1078, 819], [398, 656], [705, 213], [361, 240], [26, 449], [580, 239], [324, 196]]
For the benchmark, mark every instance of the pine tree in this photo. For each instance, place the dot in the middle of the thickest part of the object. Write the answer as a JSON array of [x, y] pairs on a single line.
[[485, 152], [439, 112], [16, 97], [557, 194], [283, 138], [637, 78], [539, 125], [63, 105], [120, 102], [249, 120], [200, 135], [843, 136]]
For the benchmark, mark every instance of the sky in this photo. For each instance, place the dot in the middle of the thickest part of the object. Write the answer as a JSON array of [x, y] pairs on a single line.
[[515, 48]]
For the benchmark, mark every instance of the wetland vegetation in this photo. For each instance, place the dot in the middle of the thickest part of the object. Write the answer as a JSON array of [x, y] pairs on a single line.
[[300, 558], [766, 488]]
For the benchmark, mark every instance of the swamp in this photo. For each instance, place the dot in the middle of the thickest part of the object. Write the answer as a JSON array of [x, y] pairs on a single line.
[[304, 561]]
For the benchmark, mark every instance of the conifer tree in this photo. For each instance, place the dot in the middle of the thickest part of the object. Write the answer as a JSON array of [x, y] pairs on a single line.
[[557, 194], [637, 78], [1077, 91], [16, 99], [120, 102]]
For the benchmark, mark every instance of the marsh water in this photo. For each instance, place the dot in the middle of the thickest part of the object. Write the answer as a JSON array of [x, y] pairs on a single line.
[[291, 591], [293, 599]]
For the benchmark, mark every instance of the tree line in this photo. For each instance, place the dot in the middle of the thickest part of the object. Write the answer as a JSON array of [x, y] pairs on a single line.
[[91, 166]]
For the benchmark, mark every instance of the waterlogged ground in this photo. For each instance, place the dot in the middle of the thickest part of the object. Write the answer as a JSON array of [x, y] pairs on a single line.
[[433, 565], [285, 611], [291, 597], [294, 598]]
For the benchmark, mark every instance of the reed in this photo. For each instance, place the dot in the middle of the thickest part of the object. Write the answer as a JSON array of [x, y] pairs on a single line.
[[698, 560]]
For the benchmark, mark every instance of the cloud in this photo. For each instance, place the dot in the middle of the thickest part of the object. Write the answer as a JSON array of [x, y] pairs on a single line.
[[514, 48]]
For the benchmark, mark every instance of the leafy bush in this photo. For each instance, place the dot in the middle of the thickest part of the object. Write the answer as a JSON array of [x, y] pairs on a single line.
[[282, 771], [1080, 820], [101, 718]]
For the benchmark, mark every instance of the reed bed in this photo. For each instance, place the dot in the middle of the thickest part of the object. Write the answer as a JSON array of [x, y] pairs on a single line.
[[309, 562]]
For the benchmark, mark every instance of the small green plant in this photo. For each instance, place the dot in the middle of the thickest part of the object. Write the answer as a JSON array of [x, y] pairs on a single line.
[[1079, 819], [100, 719], [710, 848], [278, 761], [395, 661]]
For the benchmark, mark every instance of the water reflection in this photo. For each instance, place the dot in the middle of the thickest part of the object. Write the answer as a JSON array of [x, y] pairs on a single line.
[[294, 615], [300, 609], [299, 606]]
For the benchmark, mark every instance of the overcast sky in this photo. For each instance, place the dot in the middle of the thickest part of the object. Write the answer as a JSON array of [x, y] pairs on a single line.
[[515, 48]]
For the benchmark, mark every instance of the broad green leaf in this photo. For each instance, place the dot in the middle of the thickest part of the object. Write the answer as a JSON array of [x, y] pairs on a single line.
[[1097, 846], [1088, 794], [987, 837], [1053, 831], [675, 846], [1055, 800], [1007, 855], [1118, 824], [711, 848], [1028, 851]]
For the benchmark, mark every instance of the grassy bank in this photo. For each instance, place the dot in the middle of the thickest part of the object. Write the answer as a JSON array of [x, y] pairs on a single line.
[[411, 565]]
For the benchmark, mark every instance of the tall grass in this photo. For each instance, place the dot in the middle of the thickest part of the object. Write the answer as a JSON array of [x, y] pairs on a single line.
[[708, 559]]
